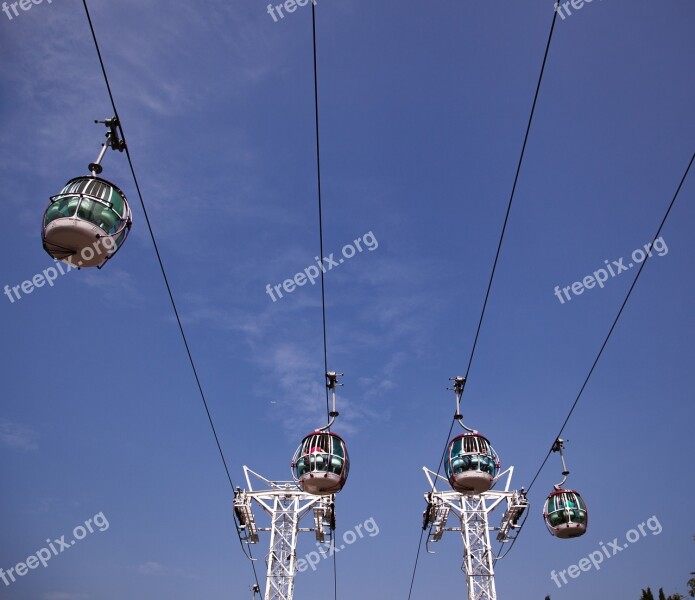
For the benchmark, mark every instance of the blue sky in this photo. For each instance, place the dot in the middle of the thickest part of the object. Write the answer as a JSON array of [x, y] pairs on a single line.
[[423, 110]]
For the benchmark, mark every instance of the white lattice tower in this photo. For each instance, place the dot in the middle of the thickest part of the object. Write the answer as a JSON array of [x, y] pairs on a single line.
[[286, 505], [472, 512], [478, 559], [282, 554]]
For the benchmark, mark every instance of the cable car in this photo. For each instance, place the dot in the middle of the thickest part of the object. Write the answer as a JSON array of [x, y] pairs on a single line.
[[321, 463], [565, 512], [87, 222], [471, 464]]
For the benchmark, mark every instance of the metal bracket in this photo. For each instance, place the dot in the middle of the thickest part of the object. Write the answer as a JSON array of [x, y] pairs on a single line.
[[558, 446], [114, 139], [331, 384]]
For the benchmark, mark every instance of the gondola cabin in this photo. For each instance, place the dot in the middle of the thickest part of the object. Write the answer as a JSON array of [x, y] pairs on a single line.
[[321, 463], [565, 514], [86, 223], [471, 464]]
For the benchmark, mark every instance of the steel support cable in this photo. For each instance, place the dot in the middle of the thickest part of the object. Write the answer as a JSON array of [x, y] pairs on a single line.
[[320, 202], [603, 346], [335, 574], [615, 321], [249, 555], [498, 557], [511, 196], [320, 207], [499, 244], [419, 546]]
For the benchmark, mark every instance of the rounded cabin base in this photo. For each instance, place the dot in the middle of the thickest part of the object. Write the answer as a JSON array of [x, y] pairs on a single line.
[[77, 242], [86, 222], [565, 514], [568, 530], [471, 482], [321, 465], [320, 484], [471, 464]]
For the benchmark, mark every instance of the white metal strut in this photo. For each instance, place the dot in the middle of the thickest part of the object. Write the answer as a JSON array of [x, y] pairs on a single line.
[[472, 513], [286, 505]]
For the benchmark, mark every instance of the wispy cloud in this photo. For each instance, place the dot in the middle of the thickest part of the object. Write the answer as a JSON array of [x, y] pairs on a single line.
[[42, 506], [389, 313], [18, 437], [385, 380], [301, 397], [155, 569], [119, 285], [152, 568]]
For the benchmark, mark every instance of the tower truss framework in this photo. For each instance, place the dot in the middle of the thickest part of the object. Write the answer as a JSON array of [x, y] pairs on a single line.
[[286, 506], [471, 516]]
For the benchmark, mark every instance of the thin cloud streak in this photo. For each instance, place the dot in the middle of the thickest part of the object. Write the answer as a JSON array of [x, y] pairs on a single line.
[[18, 437]]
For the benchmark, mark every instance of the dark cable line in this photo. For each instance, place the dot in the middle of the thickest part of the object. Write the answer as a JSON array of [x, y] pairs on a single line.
[[166, 282], [603, 346], [323, 283], [417, 558], [516, 537], [511, 196], [499, 248], [318, 185], [615, 321], [335, 574], [419, 546]]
